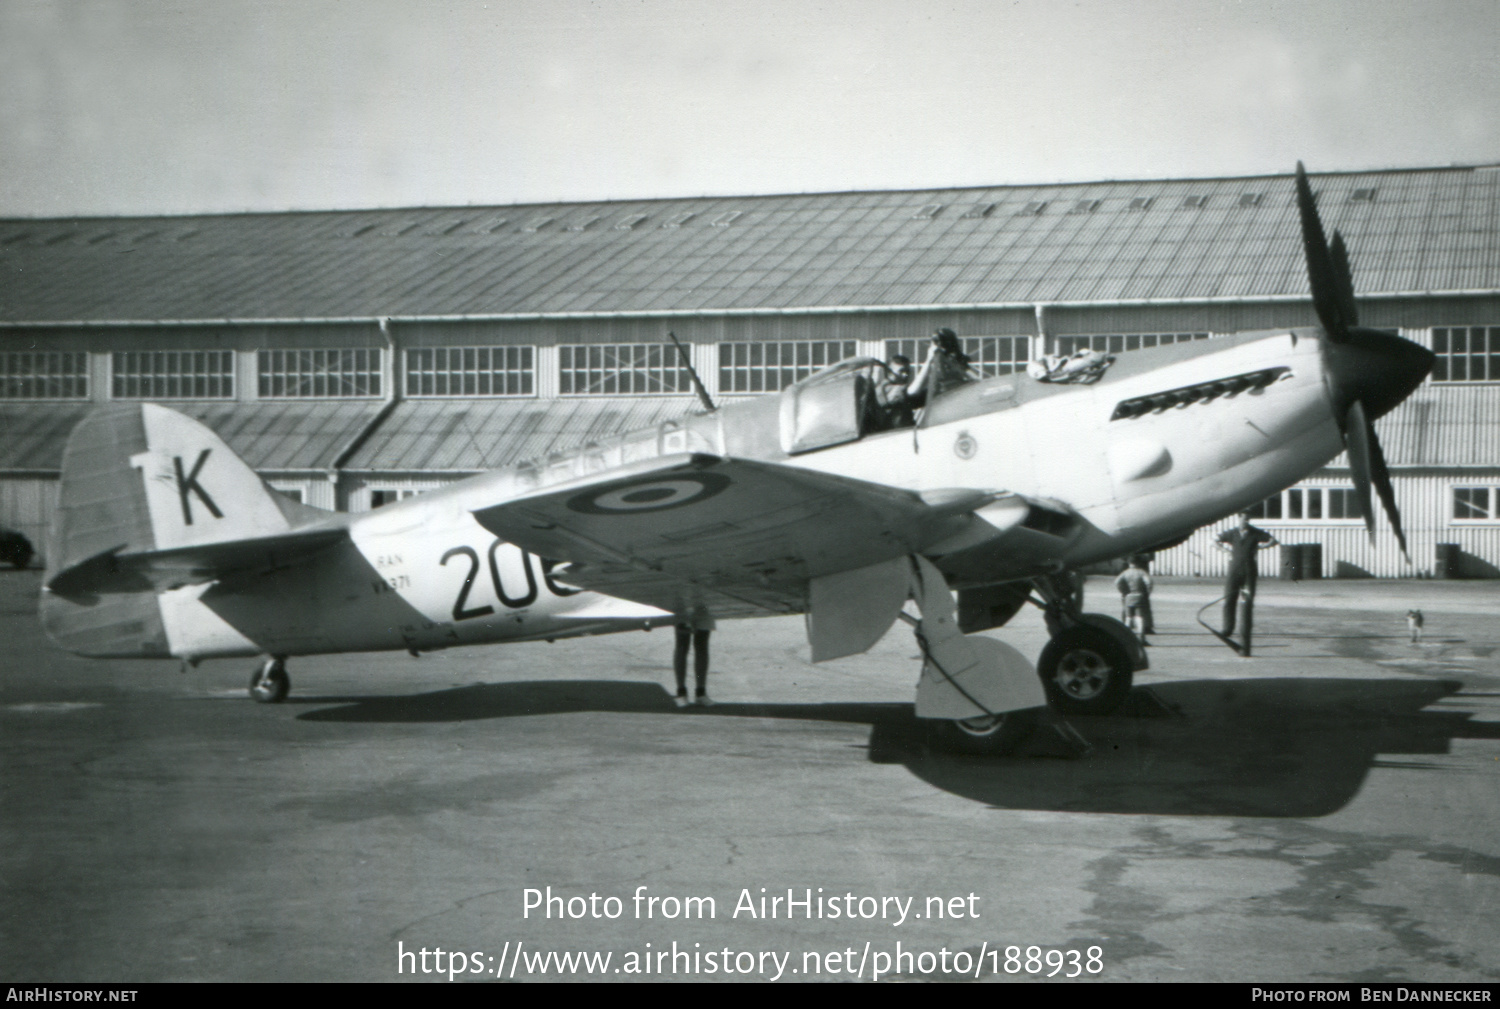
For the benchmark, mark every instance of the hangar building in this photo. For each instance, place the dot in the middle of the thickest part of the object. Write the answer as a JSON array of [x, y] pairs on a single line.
[[355, 357]]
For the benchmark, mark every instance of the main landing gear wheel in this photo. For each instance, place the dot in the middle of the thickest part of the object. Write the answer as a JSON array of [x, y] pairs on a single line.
[[988, 735], [1084, 671], [269, 683]]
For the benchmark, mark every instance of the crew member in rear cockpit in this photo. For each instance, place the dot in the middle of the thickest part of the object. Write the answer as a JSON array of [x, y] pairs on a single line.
[[946, 367]]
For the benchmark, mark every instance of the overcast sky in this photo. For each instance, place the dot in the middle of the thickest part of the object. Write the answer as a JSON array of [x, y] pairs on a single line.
[[178, 107]]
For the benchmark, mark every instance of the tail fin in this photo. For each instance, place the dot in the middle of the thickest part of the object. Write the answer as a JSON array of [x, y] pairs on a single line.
[[138, 478]]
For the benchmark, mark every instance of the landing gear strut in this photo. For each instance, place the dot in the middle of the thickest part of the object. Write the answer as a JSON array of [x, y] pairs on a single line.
[[979, 695], [269, 683], [1088, 667]]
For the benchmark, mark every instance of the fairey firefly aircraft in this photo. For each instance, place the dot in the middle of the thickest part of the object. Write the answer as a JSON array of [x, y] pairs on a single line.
[[812, 500]]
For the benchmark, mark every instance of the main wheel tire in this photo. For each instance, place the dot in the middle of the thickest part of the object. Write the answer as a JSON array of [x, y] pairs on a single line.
[[1085, 671], [269, 683], [987, 735]]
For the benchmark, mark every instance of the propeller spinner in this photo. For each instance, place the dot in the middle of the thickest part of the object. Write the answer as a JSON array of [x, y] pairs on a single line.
[[1369, 370]]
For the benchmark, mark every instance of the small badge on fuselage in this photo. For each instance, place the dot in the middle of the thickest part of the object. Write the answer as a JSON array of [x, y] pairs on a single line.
[[965, 447]]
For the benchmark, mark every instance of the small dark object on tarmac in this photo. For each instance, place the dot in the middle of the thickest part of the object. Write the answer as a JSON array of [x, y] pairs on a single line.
[[15, 549], [1414, 623]]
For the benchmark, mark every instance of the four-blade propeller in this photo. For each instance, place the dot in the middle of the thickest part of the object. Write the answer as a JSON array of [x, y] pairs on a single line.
[[1369, 371]]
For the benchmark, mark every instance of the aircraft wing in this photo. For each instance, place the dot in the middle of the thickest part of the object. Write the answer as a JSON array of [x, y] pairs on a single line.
[[740, 537], [119, 570]]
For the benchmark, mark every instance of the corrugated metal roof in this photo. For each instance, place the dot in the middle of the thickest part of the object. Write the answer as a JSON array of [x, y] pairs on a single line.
[[1443, 425], [1425, 230], [32, 435], [472, 435], [276, 435], [268, 435]]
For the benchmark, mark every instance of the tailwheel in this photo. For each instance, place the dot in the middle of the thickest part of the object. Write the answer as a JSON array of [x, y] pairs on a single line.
[[1085, 671], [987, 735], [269, 684]]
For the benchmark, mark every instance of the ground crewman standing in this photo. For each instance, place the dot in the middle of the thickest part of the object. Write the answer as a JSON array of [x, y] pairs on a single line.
[[692, 635], [1242, 544], [1134, 584]]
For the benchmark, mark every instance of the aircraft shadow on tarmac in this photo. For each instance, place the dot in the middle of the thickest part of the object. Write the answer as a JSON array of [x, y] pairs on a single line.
[[1284, 747]]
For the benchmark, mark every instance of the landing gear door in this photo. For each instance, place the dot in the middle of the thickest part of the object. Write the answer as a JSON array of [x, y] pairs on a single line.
[[848, 612]]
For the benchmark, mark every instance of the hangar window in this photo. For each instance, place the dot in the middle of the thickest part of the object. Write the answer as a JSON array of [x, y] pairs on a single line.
[[1117, 343], [294, 489], [727, 218], [1309, 504], [583, 223], [471, 371], [771, 366], [1342, 503], [990, 355], [44, 374], [536, 224], [1085, 206], [621, 369], [382, 496], [172, 374], [1466, 354], [319, 374], [630, 222], [1194, 202], [1475, 504], [1142, 202], [928, 212], [1251, 199], [979, 210], [1363, 195], [1032, 209], [678, 220]]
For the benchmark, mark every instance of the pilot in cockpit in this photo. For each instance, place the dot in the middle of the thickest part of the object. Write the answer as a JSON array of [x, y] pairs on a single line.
[[893, 395]]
